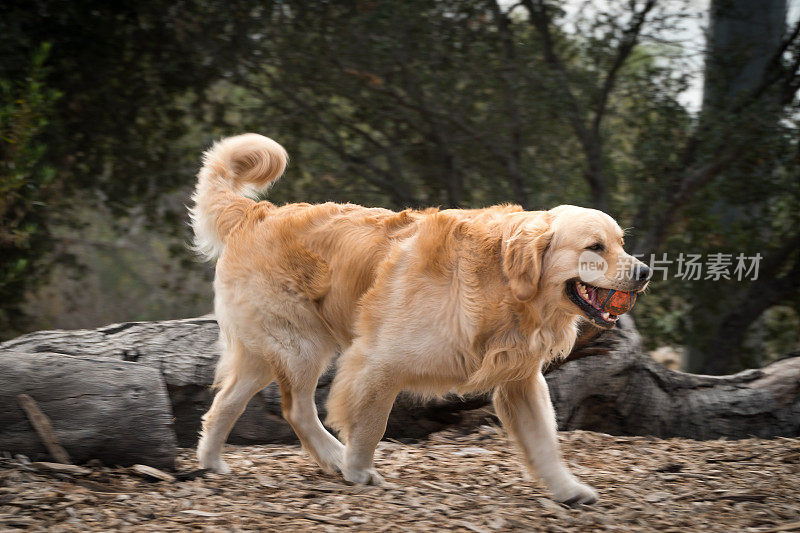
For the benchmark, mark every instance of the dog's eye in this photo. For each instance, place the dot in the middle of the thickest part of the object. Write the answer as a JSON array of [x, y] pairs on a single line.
[[596, 247]]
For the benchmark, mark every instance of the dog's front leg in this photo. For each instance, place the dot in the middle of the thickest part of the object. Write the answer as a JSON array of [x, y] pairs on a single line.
[[524, 408]]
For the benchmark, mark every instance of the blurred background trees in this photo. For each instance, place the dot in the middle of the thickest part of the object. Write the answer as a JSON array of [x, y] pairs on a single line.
[[106, 107], [27, 185]]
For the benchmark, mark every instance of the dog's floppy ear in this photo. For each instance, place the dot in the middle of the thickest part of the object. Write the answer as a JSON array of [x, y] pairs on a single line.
[[523, 247]]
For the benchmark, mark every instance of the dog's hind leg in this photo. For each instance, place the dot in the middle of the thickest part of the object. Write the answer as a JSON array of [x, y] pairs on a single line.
[[241, 375], [359, 404], [298, 381]]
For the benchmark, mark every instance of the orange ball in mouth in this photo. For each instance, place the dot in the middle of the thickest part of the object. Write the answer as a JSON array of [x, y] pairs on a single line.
[[616, 302]]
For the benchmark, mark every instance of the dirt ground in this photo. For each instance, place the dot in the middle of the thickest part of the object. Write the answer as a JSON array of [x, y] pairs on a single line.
[[451, 482]]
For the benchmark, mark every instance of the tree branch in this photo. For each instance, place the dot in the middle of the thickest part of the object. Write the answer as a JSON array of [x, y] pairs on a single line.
[[776, 72], [590, 138], [630, 37], [389, 181], [662, 221], [541, 21], [514, 160], [692, 180], [453, 179]]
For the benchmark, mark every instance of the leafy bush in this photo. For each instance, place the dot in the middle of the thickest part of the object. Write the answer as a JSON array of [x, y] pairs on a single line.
[[27, 187]]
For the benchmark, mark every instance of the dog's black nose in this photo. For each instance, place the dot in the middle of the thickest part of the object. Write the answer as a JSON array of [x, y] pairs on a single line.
[[641, 271]]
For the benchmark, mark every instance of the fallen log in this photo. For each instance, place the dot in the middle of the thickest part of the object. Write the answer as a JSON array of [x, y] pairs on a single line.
[[607, 384], [102, 409], [185, 353], [610, 385]]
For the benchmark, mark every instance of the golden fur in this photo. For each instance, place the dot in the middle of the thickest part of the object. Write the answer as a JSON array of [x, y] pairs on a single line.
[[425, 301]]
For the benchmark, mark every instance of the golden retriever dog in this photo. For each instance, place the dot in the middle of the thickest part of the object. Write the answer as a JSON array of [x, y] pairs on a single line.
[[430, 302]]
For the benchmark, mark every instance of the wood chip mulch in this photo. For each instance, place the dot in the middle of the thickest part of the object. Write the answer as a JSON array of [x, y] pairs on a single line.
[[452, 481]]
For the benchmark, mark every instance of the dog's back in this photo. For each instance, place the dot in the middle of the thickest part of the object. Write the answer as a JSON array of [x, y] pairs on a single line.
[[326, 253]]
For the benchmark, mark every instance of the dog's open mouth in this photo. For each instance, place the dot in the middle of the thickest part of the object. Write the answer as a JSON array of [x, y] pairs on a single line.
[[601, 306]]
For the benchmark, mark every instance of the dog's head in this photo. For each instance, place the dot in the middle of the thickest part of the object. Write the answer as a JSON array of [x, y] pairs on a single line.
[[574, 258]]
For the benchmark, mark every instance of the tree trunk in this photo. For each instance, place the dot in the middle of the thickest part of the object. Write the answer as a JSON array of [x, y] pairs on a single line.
[[607, 384], [99, 408], [742, 42], [742, 38]]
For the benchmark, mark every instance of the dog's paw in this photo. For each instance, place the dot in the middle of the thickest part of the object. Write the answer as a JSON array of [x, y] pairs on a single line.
[[331, 461], [217, 465], [220, 468], [368, 476], [575, 493]]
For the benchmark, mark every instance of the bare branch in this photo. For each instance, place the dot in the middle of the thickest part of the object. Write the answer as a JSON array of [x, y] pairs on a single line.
[[682, 193], [630, 37], [541, 21], [590, 141], [514, 160], [776, 72], [382, 178]]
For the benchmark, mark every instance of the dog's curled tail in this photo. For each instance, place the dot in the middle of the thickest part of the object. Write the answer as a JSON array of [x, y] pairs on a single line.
[[234, 167]]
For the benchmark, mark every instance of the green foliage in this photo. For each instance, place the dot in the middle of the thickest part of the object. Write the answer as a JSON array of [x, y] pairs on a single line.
[[27, 187]]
